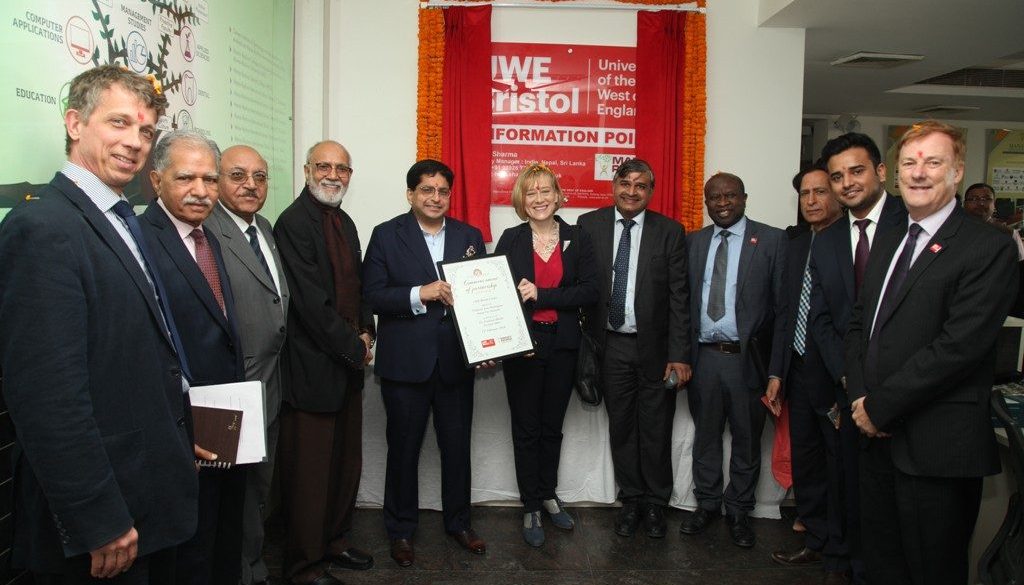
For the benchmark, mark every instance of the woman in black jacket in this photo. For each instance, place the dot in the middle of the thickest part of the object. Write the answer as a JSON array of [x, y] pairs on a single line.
[[553, 264]]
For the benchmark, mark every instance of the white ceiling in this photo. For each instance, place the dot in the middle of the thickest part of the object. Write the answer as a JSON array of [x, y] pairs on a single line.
[[950, 34]]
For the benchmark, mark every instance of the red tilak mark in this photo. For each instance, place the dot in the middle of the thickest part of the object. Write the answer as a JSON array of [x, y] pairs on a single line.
[[920, 154], [139, 115]]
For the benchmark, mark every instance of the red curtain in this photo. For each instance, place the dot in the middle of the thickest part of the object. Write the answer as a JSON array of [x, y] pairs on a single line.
[[466, 119], [660, 54]]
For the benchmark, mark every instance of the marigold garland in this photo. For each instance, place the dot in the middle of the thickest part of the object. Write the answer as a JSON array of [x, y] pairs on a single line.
[[430, 84], [692, 127]]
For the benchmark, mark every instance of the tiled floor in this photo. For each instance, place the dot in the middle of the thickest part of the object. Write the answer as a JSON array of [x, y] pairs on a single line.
[[591, 554]]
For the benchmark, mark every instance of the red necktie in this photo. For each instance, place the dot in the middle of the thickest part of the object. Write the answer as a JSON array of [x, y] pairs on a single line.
[[208, 265], [860, 255]]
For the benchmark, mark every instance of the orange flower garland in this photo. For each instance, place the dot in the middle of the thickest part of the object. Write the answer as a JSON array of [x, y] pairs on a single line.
[[692, 127], [430, 84]]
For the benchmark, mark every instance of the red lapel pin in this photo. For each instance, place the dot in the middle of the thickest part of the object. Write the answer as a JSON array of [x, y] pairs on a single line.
[[753, 241], [935, 248]]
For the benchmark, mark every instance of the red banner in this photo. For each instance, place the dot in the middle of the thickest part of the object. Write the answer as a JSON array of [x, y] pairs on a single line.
[[572, 107]]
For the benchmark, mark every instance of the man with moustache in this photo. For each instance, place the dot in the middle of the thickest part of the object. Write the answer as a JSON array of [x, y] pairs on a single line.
[[104, 486], [188, 260], [330, 335], [261, 297], [920, 361], [641, 321], [419, 359], [810, 392], [739, 309], [838, 259], [980, 201]]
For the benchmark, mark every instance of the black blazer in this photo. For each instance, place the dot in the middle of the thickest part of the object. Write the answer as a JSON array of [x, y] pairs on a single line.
[[832, 296], [209, 337], [662, 297], [761, 302], [93, 387], [578, 286], [323, 350], [933, 381], [409, 346]]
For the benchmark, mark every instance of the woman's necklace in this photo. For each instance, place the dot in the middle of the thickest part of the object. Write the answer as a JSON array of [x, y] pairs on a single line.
[[544, 244]]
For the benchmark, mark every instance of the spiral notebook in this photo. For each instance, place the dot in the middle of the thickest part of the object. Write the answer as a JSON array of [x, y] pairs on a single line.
[[245, 398], [218, 430]]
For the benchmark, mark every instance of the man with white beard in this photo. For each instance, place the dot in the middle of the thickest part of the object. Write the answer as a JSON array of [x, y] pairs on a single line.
[[330, 336]]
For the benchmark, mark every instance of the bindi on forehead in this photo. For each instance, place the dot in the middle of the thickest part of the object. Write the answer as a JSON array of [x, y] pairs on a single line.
[[920, 154], [139, 116]]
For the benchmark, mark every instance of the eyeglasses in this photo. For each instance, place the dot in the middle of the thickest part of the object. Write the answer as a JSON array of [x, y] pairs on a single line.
[[240, 177], [326, 168], [428, 191], [977, 200]]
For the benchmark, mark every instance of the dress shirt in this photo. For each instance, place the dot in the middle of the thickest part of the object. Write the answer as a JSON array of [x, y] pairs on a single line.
[[264, 245], [726, 328], [629, 325], [435, 245], [104, 198], [929, 226], [184, 229], [874, 215]]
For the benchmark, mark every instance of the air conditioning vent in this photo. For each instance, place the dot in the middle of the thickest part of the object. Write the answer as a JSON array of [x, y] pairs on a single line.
[[944, 111], [978, 77], [869, 60]]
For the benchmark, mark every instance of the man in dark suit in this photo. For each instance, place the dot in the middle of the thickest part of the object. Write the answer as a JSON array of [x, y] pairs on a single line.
[[838, 258], [330, 333], [419, 359], [641, 321], [188, 260], [809, 389], [738, 310], [919, 369], [103, 482], [260, 294]]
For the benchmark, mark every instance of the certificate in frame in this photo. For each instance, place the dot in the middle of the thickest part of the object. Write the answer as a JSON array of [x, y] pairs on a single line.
[[486, 308]]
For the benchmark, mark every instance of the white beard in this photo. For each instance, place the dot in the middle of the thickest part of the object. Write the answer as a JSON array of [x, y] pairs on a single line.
[[323, 196]]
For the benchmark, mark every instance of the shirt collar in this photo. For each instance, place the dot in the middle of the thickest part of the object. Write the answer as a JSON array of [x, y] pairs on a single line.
[[737, 229], [241, 223], [100, 194], [876, 211], [638, 218], [184, 229], [426, 234], [933, 222]]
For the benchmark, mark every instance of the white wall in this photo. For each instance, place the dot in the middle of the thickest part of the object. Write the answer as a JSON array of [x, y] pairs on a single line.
[[755, 88]]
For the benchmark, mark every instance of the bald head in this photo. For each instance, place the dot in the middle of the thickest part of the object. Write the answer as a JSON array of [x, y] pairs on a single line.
[[328, 170], [243, 181]]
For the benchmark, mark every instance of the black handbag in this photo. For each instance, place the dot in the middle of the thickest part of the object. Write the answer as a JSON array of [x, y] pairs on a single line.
[[588, 370]]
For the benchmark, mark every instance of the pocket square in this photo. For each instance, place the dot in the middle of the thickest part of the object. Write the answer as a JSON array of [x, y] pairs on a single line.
[[565, 245], [470, 251]]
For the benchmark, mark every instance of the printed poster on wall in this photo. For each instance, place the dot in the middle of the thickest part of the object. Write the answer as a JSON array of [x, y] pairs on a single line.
[[571, 107], [225, 67], [1005, 164]]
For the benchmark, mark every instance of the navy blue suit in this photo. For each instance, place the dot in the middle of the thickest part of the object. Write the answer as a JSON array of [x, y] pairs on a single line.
[[93, 387], [214, 356], [421, 366]]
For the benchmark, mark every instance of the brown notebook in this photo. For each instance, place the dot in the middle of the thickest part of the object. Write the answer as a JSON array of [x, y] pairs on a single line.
[[217, 430]]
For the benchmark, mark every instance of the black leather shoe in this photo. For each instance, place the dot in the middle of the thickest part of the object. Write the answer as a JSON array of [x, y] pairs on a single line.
[[837, 578], [740, 531], [800, 558], [654, 521], [402, 552], [324, 578], [469, 540], [698, 521], [628, 519], [352, 558]]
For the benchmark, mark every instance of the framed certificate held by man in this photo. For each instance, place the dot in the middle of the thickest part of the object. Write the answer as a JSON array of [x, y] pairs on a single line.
[[486, 307]]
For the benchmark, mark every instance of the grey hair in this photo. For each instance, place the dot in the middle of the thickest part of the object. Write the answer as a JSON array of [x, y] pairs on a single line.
[[309, 153], [162, 150]]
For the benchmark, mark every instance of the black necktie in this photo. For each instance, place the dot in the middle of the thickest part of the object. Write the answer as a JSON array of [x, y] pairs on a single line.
[[860, 255], [254, 243], [125, 212], [719, 274], [892, 289], [620, 271]]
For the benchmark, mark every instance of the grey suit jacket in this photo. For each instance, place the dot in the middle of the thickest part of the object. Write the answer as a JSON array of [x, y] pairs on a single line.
[[662, 297], [261, 311], [761, 302]]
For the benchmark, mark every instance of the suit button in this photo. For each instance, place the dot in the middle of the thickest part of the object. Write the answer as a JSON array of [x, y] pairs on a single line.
[[276, 300], [181, 422], [281, 329]]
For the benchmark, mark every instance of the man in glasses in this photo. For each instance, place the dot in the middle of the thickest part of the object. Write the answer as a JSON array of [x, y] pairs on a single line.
[[261, 295], [420, 360], [980, 201], [330, 335]]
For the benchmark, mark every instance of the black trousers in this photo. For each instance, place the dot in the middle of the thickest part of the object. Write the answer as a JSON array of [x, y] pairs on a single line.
[[153, 569], [214, 554], [718, 393], [825, 474], [917, 529], [538, 390], [408, 406], [640, 415]]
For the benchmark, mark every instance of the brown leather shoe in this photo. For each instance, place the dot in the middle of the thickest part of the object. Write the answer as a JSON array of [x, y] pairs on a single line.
[[402, 552], [837, 578], [468, 540], [800, 558]]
